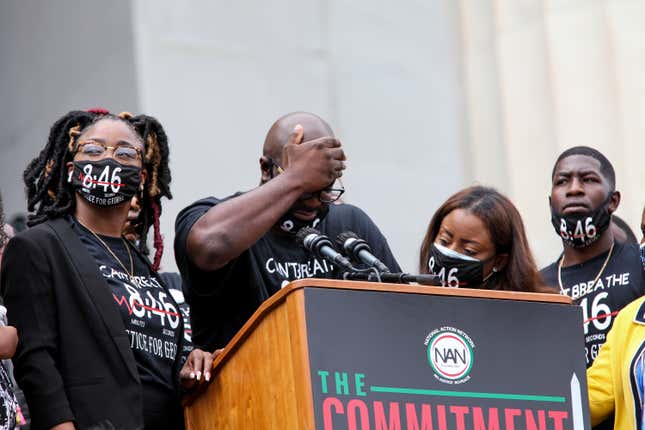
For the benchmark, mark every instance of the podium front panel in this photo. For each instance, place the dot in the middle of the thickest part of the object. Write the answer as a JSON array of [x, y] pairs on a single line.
[[387, 360]]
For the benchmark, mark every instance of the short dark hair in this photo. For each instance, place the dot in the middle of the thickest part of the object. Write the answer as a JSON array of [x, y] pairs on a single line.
[[606, 168]]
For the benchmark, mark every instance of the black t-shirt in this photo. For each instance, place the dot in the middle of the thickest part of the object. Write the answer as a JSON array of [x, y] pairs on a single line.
[[621, 282], [152, 321], [175, 287], [221, 301]]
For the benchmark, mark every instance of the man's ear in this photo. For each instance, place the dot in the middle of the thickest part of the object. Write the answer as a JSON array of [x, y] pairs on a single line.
[[266, 169], [614, 201]]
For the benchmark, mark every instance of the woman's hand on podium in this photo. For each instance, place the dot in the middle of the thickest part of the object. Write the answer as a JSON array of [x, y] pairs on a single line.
[[196, 372]]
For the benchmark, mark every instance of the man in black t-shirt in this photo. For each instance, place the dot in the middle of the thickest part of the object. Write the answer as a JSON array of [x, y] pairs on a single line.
[[596, 271], [235, 252], [599, 273]]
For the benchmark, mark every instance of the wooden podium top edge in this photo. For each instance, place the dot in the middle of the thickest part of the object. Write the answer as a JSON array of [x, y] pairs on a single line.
[[428, 290], [281, 295]]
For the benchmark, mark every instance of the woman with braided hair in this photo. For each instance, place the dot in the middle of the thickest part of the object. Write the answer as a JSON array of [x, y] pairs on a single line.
[[99, 331]]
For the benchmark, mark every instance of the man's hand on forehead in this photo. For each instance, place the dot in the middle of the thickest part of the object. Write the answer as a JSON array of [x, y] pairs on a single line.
[[317, 162]]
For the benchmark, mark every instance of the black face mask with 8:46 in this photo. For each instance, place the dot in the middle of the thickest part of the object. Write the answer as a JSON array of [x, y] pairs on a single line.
[[580, 230], [105, 182], [455, 269]]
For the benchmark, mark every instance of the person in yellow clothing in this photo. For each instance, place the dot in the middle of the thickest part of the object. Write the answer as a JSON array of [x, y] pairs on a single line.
[[616, 381]]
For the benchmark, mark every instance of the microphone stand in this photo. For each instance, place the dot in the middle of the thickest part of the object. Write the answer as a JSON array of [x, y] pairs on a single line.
[[393, 278]]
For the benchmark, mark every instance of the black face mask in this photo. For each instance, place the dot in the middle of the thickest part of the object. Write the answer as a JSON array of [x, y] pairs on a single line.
[[289, 223], [106, 182], [455, 269], [580, 230]]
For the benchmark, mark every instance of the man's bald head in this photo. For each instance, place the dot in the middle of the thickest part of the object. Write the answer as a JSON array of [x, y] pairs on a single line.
[[313, 125]]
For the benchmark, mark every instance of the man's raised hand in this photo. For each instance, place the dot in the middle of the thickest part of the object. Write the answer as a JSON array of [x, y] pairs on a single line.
[[316, 163]]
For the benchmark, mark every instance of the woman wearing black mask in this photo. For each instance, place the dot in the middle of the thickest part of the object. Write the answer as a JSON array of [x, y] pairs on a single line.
[[476, 239], [99, 331]]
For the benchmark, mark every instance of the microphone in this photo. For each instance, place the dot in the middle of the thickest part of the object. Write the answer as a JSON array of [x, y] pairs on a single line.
[[358, 250], [320, 245]]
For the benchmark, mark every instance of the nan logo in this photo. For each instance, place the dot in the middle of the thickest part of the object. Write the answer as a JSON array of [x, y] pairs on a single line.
[[450, 353]]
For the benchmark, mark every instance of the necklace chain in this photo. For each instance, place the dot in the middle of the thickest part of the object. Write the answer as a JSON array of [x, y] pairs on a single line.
[[118, 260], [602, 269]]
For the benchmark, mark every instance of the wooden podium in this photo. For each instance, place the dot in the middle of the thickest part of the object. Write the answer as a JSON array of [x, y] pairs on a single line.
[[330, 354]]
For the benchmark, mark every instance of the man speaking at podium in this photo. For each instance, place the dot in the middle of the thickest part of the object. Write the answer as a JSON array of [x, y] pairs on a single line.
[[235, 252]]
